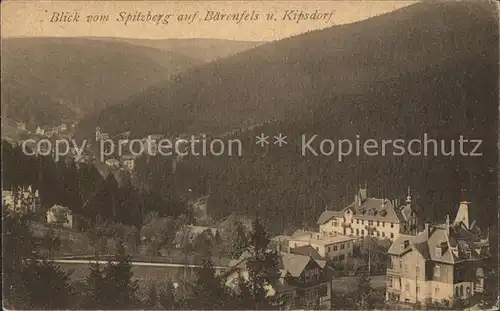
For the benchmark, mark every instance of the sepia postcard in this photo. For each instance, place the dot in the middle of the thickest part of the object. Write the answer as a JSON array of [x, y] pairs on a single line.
[[250, 155]]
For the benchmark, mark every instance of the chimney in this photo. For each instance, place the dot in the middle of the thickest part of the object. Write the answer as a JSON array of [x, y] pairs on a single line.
[[427, 232], [447, 221]]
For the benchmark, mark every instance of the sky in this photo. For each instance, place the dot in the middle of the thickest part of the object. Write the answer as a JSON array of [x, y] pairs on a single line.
[[33, 18]]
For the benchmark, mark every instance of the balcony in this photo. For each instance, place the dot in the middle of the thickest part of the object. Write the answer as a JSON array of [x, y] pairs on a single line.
[[393, 290], [393, 271]]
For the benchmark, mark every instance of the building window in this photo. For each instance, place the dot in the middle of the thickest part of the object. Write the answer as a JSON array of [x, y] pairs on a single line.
[[335, 224], [400, 264], [392, 235], [362, 232], [378, 233], [357, 221], [467, 291], [342, 246], [389, 281], [456, 291], [392, 225], [378, 223], [417, 269], [406, 267], [437, 271], [370, 222], [334, 247], [383, 234], [383, 224], [362, 222], [357, 231], [461, 290], [341, 257], [328, 248]]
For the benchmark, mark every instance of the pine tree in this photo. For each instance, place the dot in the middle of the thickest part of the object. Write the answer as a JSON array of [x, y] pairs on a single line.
[[241, 241], [167, 296], [31, 280], [48, 286], [152, 301], [95, 296], [241, 298], [120, 288], [364, 293], [262, 267], [208, 292]]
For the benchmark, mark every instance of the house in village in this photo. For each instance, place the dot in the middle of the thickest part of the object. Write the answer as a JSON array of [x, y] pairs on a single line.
[[192, 236], [333, 246], [280, 242], [303, 281], [380, 218], [21, 200], [128, 161], [113, 163], [444, 261], [61, 216], [40, 131]]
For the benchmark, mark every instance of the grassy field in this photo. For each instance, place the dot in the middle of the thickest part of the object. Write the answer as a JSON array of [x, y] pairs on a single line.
[[348, 284], [143, 274]]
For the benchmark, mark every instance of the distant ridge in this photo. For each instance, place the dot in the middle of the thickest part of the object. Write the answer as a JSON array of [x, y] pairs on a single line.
[[203, 49], [48, 80]]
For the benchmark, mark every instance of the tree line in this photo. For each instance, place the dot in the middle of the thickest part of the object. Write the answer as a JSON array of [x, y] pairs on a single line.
[[93, 197], [33, 281]]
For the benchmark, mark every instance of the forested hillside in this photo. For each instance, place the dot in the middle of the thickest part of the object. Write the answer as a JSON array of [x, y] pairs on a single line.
[[293, 76]]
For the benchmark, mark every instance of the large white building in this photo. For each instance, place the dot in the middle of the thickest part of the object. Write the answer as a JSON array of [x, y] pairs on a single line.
[[380, 218], [442, 262], [334, 246]]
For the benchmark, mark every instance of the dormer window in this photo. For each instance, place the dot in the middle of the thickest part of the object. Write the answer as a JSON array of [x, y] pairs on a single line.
[[406, 243]]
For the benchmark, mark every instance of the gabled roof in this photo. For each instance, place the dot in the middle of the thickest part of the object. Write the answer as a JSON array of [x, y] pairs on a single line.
[[295, 264], [396, 249], [289, 264], [442, 243], [306, 250], [370, 209], [327, 215]]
